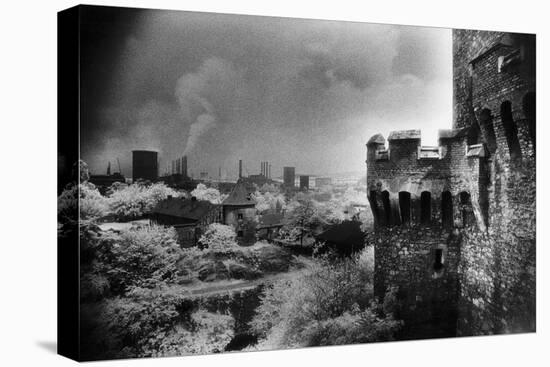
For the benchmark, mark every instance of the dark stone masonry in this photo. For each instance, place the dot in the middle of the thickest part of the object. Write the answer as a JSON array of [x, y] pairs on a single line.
[[455, 224]]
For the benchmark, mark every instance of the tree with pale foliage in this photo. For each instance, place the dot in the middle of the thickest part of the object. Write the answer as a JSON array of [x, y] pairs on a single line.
[[219, 238], [135, 200], [268, 201], [201, 192], [300, 222], [327, 304], [84, 198]]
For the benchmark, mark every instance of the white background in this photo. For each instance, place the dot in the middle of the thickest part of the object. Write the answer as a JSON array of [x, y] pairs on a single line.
[[28, 183]]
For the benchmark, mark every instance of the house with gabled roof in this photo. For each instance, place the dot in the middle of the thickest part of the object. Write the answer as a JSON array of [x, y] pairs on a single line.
[[188, 216], [239, 211]]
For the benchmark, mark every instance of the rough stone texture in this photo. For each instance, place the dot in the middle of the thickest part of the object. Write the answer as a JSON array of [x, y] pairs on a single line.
[[405, 257], [482, 207]]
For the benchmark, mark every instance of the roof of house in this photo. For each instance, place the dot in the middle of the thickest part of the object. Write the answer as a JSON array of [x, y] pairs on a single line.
[[239, 196], [184, 208], [404, 134], [348, 231], [271, 220]]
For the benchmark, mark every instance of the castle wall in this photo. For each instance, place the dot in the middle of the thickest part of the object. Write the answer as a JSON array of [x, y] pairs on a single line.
[[467, 44], [483, 199], [405, 258], [497, 268]]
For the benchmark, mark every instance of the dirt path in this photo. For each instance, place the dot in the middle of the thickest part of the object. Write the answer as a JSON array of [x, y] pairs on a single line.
[[240, 286]]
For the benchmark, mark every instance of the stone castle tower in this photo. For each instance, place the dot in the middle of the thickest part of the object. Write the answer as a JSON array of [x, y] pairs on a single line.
[[455, 223]]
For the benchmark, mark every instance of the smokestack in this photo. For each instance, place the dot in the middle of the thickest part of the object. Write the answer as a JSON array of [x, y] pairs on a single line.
[[184, 166], [173, 166], [269, 171], [109, 169], [263, 168], [240, 168]]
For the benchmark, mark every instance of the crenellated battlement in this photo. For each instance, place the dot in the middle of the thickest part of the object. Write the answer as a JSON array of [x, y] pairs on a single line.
[[405, 179], [452, 221]]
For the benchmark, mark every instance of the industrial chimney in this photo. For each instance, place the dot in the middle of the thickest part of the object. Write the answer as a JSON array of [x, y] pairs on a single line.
[[184, 166], [240, 168]]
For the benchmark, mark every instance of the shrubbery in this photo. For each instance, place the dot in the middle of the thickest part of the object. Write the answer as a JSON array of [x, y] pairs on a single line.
[[135, 200], [92, 203], [330, 303], [131, 302], [219, 238], [201, 192], [125, 201], [268, 200]]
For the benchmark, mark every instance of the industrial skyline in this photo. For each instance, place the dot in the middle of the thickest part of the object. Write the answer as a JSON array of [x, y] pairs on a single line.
[[219, 88]]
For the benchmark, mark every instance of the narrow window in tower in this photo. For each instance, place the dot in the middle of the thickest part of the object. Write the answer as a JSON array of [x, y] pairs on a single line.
[[425, 207], [446, 209], [374, 204], [240, 216], [387, 206], [486, 123], [510, 130], [438, 259], [473, 134], [405, 207], [465, 208]]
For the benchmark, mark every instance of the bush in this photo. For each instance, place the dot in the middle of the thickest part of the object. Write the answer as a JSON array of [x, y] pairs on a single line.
[[135, 200], [209, 333], [151, 323], [352, 327], [267, 200], [81, 201], [92, 203], [143, 256], [67, 204], [219, 238], [138, 257], [123, 326], [330, 303], [201, 192]]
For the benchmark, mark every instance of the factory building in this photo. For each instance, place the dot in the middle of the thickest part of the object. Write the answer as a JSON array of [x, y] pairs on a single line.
[[144, 165], [265, 169], [104, 181], [304, 182], [289, 176]]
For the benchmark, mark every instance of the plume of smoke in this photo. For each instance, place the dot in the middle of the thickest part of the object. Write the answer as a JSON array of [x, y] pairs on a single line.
[[203, 123], [198, 92]]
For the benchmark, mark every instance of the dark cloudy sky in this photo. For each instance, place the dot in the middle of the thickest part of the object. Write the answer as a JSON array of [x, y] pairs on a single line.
[[219, 88]]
